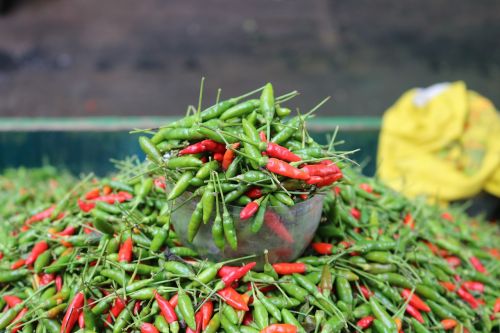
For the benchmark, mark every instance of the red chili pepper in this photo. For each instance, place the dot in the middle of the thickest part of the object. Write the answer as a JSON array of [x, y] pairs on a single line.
[[207, 310], [38, 249], [367, 293], [449, 323], [280, 328], [228, 157], [85, 206], [466, 296], [225, 270], [148, 328], [262, 136], [167, 310], [272, 221], [254, 192], [447, 216], [366, 187], [106, 189], [12, 300], [40, 216], [219, 157], [448, 285], [365, 322], [237, 274], [322, 248], [1, 255], [330, 179], [72, 313], [474, 286], [213, 146], [314, 180], [453, 261], [412, 311], [408, 221], [58, 283], [321, 169], [496, 307], [415, 301], [195, 148], [249, 210], [284, 169], [476, 263], [68, 231], [18, 264], [17, 319], [92, 194], [173, 300], [115, 310], [46, 279], [280, 152], [125, 252], [160, 183], [114, 197], [286, 268], [137, 308], [355, 213], [81, 320], [247, 318], [232, 298]]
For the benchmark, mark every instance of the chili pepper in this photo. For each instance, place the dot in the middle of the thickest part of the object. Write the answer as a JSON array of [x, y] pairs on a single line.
[[207, 310], [123, 319], [272, 221], [290, 268], [178, 268], [254, 192], [61, 263], [40, 216], [167, 310], [321, 170], [229, 156], [476, 263], [240, 109], [18, 264], [208, 201], [280, 328], [181, 185], [344, 290], [284, 169], [195, 148], [284, 198], [229, 229], [161, 324], [249, 210], [72, 313], [415, 301], [466, 296], [148, 328], [412, 311], [235, 274], [260, 314], [186, 308], [12, 300], [381, 314], [474, 286], [195, 221], [365, 322], [258, 220], [282, 153], [448, 324], [115, 310], [232, 298], [150, 150], [125, 252], [448, 285], [218, 231], [322, 248]]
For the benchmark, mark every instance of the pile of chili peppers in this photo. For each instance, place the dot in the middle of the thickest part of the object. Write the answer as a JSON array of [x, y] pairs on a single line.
[[241, 152], [100, 255]]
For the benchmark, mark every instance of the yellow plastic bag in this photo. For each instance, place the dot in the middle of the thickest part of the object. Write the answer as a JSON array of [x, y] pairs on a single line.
[[442, 142]]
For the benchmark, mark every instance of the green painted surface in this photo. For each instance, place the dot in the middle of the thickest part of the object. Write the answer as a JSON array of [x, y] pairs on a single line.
[[87, 145]]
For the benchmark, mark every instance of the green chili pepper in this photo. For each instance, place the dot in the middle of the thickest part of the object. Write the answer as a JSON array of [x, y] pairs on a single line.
[[150, 150], [418, 327], [186, 308], [218, 231], [123, 318], [227, 325], [208, 201], [381, 314], [184, 162], [284, 198], [118, 276], [381, 327], [260, 314], [183, 251], [344, 290], [101, 221], [60, 264], [289, 318], [258, 220], [159, 238], [214, 324], [161, 324], [195, 221], [362, 311], [229, 229], [241, 109], [178, 268], [181, 186], [233, 168], [177, 134], [9, 315], [51, 325]]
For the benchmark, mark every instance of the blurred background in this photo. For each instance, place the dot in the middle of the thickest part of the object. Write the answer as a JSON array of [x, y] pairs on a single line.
[[77, 75], [99, 58]]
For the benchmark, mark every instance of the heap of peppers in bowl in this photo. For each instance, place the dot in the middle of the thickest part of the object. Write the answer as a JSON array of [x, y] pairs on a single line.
[[248, 152]]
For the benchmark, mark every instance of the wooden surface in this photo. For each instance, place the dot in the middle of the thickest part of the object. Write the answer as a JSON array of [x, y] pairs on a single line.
[[126, 57]]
